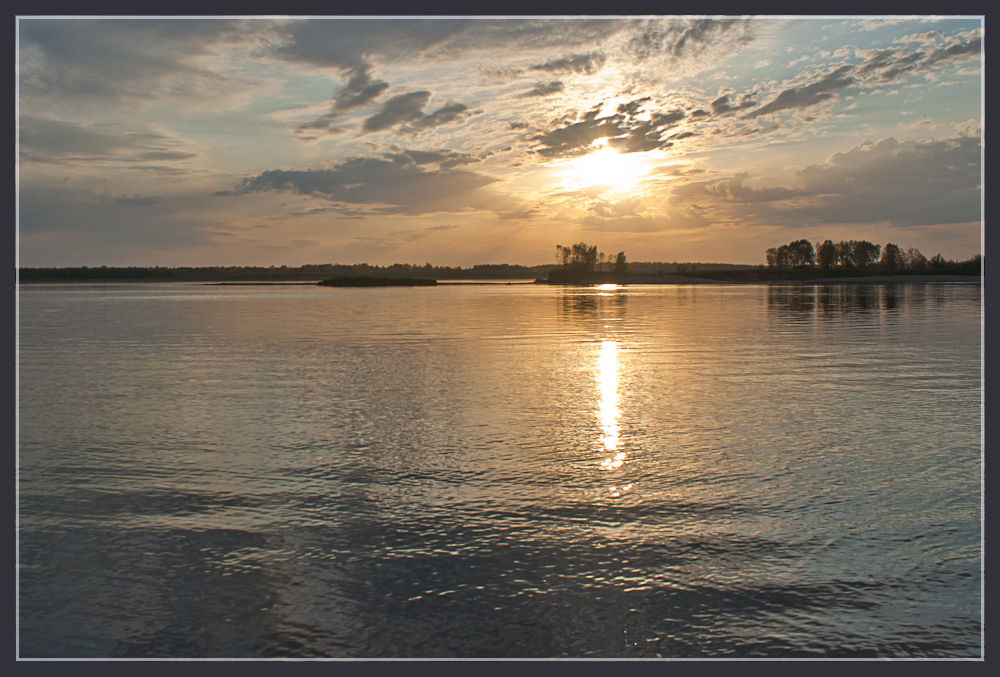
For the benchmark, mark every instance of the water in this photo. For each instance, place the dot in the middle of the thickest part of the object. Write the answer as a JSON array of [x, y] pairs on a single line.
[[500, 471]]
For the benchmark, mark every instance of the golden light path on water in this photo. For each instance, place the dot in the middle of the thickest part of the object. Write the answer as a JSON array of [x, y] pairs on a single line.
[[609, 412], [607, 379]]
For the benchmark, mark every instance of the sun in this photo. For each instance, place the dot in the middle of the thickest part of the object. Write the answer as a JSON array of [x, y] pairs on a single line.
[[605, 168]]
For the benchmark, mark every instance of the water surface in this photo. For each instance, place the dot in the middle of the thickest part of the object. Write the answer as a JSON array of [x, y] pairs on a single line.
[[500, 471]]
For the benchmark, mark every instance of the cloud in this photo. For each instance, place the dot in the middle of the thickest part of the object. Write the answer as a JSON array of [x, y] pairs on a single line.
[[929, 37], [905, 183], [646, 135], [911, 183], [445, 159], [101, 60], [573, 138], [722, 106], [586, 64], [103, 219], [633, 107], [398, 109], [733, 190], [684, 38], [879, 58], [544, 89], [408, 109], [397, 184], [360, 89], [350, 43], [955, 51], [626, 130], [56, 141], [448, 113], [892, 63], [808, 95], [901, 66]]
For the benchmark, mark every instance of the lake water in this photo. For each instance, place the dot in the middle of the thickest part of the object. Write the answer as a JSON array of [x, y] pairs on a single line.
[[500, 471]]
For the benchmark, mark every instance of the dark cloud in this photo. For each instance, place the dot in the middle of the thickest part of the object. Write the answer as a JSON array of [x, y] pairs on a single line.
[[632, 107], [408, 110], [451, 112], [587, 64], [360, 89], [646, 135], [446, 159], [912, 183], [577, 137], [49, 140], [809, 95], [902, 66], [905, 183], [626, 132], [732, 190], [113, 59], [397, 184], [893, 63], [544, 89], [955, 51], [722, 106], [680, 38], [94, 220], [397, 110], [350, 43], [880, 58]]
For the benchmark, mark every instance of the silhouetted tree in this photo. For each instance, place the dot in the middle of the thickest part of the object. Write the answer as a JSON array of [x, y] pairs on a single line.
[[826, 254], [915, 260], [564, 253], [802, 253], [621, 265], [863, 253], [892, 257], [844, 254], [937, 261], [786, 256], [771, 256], [584, 256]]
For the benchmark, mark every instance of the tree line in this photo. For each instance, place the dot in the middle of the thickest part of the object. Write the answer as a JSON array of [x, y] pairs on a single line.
[[848, 254], [308, 272]]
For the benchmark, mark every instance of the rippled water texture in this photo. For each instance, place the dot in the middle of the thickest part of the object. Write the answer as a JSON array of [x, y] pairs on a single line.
[[500, 471]]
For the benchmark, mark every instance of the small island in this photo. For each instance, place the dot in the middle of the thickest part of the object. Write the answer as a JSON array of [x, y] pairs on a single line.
[[371, 281]]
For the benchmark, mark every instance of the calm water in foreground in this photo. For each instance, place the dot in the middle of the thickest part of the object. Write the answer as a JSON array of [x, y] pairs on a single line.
[[500, 471]]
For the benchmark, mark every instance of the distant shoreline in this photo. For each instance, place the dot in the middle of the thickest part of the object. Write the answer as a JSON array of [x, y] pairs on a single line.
[[860, 279], [659, 280]]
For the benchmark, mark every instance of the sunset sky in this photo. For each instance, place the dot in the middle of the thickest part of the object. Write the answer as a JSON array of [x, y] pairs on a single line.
[[457, 141]]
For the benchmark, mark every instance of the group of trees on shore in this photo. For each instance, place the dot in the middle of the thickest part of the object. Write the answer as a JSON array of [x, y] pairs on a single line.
[[848, 254], [583, 257]]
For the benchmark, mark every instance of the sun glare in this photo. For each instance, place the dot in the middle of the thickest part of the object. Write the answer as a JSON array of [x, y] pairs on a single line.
[[605, 168]]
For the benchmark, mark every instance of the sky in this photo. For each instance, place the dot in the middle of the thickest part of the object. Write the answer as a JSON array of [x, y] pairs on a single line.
[[458, 141]]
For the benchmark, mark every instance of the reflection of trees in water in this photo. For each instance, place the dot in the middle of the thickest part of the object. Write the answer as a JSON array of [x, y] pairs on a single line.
[[592, 304], [791, 300], [891, 296], [836, 299]]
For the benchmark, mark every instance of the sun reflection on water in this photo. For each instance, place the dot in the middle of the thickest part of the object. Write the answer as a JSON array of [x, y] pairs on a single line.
[[607, 380]]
